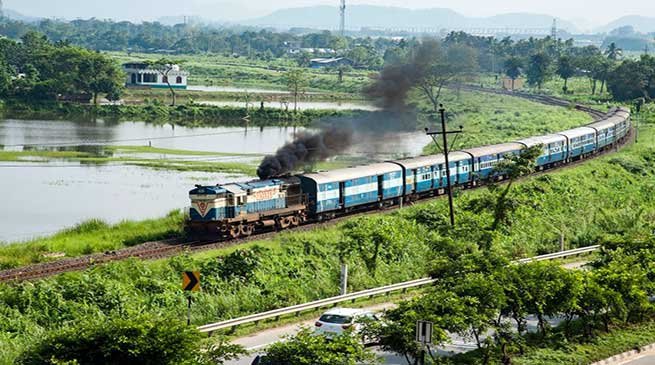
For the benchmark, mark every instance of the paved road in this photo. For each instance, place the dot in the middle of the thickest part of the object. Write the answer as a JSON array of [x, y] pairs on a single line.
[[257, 342], [645, 360]]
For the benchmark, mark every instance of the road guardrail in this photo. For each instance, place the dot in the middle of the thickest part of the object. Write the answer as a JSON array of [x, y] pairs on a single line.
[[297, 309]]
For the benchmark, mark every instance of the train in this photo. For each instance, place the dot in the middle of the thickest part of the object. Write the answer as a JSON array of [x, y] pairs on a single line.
[[239, 210]]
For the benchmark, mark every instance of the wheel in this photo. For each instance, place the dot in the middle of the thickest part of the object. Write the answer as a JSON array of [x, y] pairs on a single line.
[[285, 222], [235, 231], [246, 230], [295, 221]]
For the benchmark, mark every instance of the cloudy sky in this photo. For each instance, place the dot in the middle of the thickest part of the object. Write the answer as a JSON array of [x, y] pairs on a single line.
[[578, 11]]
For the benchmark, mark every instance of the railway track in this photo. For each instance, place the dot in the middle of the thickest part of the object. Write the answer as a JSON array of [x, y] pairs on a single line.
[[167, 248]]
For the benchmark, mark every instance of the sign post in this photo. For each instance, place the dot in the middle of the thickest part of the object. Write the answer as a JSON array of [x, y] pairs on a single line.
[[190, 283], [424, 337]]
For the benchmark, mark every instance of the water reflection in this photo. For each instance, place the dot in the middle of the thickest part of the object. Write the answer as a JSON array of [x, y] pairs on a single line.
[[39, 200]]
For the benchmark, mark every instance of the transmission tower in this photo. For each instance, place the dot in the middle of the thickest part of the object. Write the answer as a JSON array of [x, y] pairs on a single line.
[[342, 12], [553, 30]]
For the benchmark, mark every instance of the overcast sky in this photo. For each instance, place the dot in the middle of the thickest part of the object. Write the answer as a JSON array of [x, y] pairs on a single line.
[[579, 11]]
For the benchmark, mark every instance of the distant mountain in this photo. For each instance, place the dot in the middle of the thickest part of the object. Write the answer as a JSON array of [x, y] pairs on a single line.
[[11, 14], [327, 17], [640, 23]]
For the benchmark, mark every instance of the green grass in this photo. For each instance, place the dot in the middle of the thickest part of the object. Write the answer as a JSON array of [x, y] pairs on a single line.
[[91, 236], [134, 95], [489, 118], [217, 70], [40, 156], [606, 345], [139, 156]]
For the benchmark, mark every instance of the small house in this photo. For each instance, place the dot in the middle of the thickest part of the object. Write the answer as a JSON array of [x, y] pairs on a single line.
[[140, 74]]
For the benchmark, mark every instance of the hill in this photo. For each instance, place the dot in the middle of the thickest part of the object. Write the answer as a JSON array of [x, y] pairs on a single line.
[[640, 23], [326, 17], [12, 14]]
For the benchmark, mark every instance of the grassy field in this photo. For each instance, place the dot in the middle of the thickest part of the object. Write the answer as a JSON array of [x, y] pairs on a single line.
[[143, 156], [218, 70], [91, 237], [488, 118]]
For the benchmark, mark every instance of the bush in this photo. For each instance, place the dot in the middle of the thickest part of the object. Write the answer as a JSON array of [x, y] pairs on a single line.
[[145, 339]]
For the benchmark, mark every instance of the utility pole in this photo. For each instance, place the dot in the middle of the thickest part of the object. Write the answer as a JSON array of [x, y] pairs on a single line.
[[444, 134], [342, 24]]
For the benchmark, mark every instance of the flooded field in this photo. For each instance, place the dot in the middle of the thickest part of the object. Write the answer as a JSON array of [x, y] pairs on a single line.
[[40, 198]]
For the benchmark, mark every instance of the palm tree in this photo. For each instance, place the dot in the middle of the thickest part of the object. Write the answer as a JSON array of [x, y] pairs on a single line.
[[613, 52]]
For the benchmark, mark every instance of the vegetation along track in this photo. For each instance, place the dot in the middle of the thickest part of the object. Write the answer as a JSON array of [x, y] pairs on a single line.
[[168, 248]]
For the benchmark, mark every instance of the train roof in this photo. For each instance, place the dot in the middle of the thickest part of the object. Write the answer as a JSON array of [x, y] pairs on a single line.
[[546, 139], [354, 172], [431, 160], [494, 149], [603, 124], [207, 190], [577, 132]]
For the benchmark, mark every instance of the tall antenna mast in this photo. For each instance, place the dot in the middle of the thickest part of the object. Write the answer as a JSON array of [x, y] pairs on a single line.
[[342, 25], [553, 30]]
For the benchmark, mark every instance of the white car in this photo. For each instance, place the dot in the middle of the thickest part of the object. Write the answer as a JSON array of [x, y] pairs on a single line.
[[337, 320]]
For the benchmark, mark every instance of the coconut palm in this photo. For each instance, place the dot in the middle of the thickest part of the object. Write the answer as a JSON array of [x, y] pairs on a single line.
[[613, 52]]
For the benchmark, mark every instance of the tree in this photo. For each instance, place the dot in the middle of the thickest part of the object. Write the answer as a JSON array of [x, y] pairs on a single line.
[[613, 52], [164, 67], [627, 81], [539, 69], [144, 340], [513, 67], [296, 84], [512, 167], [440, 66], [341, 70], [565, 70], [307, 348], [100, 75]]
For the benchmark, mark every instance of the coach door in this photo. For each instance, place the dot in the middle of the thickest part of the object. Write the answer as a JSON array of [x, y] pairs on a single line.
[[342, 193]]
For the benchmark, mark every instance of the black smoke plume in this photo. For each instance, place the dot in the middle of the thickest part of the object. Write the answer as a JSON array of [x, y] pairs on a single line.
[[306, 149], [390, 88], [388, 91]]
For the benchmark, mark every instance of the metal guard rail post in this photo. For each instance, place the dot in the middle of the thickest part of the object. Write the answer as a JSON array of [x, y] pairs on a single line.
[[275, 313]]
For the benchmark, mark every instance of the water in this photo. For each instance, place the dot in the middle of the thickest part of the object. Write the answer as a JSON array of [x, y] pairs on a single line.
[[41, 198], [302, 105], [14, 133]]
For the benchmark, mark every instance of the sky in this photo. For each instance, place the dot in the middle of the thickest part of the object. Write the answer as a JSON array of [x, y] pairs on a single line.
[[578, 11]]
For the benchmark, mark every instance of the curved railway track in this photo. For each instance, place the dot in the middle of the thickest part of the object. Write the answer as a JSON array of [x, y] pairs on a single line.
[[167, 248]]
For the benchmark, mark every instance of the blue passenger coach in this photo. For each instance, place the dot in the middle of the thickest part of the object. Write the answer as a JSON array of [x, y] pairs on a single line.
[[487, 157], [352, 187], [605, 132], [428, 173], [554, 146], [581, 142]]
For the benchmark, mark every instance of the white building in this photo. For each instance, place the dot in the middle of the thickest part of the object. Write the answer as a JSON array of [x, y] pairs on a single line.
[[143, 75]]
